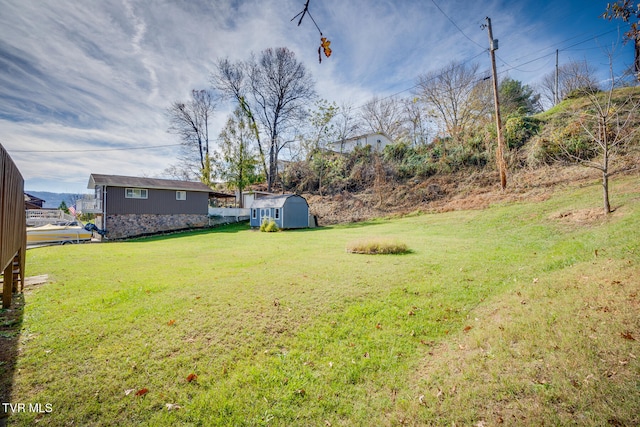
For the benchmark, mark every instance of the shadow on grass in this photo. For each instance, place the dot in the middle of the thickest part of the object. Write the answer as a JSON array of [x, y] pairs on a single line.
[[237, 228], [218, 229], [10, 326], [342, 226]]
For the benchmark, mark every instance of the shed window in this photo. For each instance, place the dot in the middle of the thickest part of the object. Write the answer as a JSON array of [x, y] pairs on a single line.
[[277, 213], [254, 213], [136, 193], [181, 195]]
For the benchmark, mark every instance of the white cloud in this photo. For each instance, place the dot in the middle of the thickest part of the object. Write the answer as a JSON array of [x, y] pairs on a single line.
[[101, 73]]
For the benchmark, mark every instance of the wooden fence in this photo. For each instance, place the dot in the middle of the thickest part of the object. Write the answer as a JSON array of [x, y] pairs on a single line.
[[13, 230]]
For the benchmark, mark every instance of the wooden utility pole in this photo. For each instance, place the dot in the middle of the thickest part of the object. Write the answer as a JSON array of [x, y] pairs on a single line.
[[556, 95], [502, 167]]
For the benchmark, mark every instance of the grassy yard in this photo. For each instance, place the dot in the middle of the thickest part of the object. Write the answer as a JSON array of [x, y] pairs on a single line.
[[524, 313]]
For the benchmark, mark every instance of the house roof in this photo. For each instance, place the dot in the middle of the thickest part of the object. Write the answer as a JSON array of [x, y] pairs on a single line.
[[31, 198], [154, 183], [276, 201]]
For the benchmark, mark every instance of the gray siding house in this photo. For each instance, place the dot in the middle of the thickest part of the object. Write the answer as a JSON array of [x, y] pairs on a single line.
[[129, 206], [286, 210]]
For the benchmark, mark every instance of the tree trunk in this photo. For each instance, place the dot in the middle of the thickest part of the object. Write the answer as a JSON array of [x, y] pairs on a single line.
[[605, 192], [272, 166], [637, 56]]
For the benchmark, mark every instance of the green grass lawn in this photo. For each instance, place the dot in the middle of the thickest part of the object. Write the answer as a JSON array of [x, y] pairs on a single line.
[[480, 322]]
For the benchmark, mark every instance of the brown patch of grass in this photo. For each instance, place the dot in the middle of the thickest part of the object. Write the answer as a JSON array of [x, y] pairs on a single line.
[[580, 216]]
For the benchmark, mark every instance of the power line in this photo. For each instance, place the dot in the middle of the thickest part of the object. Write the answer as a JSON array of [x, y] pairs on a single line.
[[148, 147], [510, 67], [561, 49], [456, 25]]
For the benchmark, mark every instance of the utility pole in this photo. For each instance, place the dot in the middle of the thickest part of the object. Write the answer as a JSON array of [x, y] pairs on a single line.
[[502, 167], [556, 95]]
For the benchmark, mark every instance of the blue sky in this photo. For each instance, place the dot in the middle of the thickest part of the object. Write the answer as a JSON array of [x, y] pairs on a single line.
[[84, 85]]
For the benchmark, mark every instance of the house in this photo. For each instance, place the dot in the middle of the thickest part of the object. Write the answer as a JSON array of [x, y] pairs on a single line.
[[129, 206], [377, 141], [33, 202], [286, 210]]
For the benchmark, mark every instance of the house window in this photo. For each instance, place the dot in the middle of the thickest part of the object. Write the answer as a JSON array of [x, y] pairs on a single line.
[[277, 213], [181, 195], [136, 193]]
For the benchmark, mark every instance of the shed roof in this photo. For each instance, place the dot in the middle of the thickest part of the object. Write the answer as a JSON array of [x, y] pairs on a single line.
[[155, 183], [276, 201]]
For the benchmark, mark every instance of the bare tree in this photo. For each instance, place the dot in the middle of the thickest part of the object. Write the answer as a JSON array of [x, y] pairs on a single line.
[[609, 122], [573, 76], [190, 120], [281, 87], [449, 96], [232, 81], [417, 121], [384, 116], [179, 173], [347, 123], [273, 90]]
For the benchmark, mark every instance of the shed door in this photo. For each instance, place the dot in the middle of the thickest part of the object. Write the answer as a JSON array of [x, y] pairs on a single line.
[[265, 213]]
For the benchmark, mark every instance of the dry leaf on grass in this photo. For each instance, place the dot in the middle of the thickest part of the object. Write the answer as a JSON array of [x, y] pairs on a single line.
[[627, 336], [142, 391]]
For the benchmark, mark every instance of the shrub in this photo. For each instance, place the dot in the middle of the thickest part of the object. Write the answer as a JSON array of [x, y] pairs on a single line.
[[377, 245], [396, 152], [519, 129], [269, 226]]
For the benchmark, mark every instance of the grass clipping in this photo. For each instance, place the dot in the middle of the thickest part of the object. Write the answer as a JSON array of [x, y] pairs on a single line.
[[377, 246]]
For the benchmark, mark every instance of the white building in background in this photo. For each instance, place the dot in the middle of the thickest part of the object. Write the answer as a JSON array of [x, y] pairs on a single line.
[[377, 141]]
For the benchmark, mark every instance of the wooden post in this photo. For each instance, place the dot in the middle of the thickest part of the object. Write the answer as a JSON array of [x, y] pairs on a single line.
[[7, 285], [556, 95], [502, 167]]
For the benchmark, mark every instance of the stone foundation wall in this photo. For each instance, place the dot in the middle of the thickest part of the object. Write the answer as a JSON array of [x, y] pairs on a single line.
[[131, 225]]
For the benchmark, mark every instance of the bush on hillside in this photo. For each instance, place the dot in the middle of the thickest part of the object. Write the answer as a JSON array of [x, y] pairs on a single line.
[[519, 129]]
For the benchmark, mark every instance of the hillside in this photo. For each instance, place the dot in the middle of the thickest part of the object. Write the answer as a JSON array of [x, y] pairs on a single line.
[[402, 180]]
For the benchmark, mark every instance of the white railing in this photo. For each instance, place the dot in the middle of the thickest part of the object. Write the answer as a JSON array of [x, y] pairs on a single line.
[[89, 205], [36, 217], [232, 212]]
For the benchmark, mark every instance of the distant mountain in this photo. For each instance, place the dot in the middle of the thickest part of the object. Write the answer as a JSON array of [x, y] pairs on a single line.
[[53, 200]]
